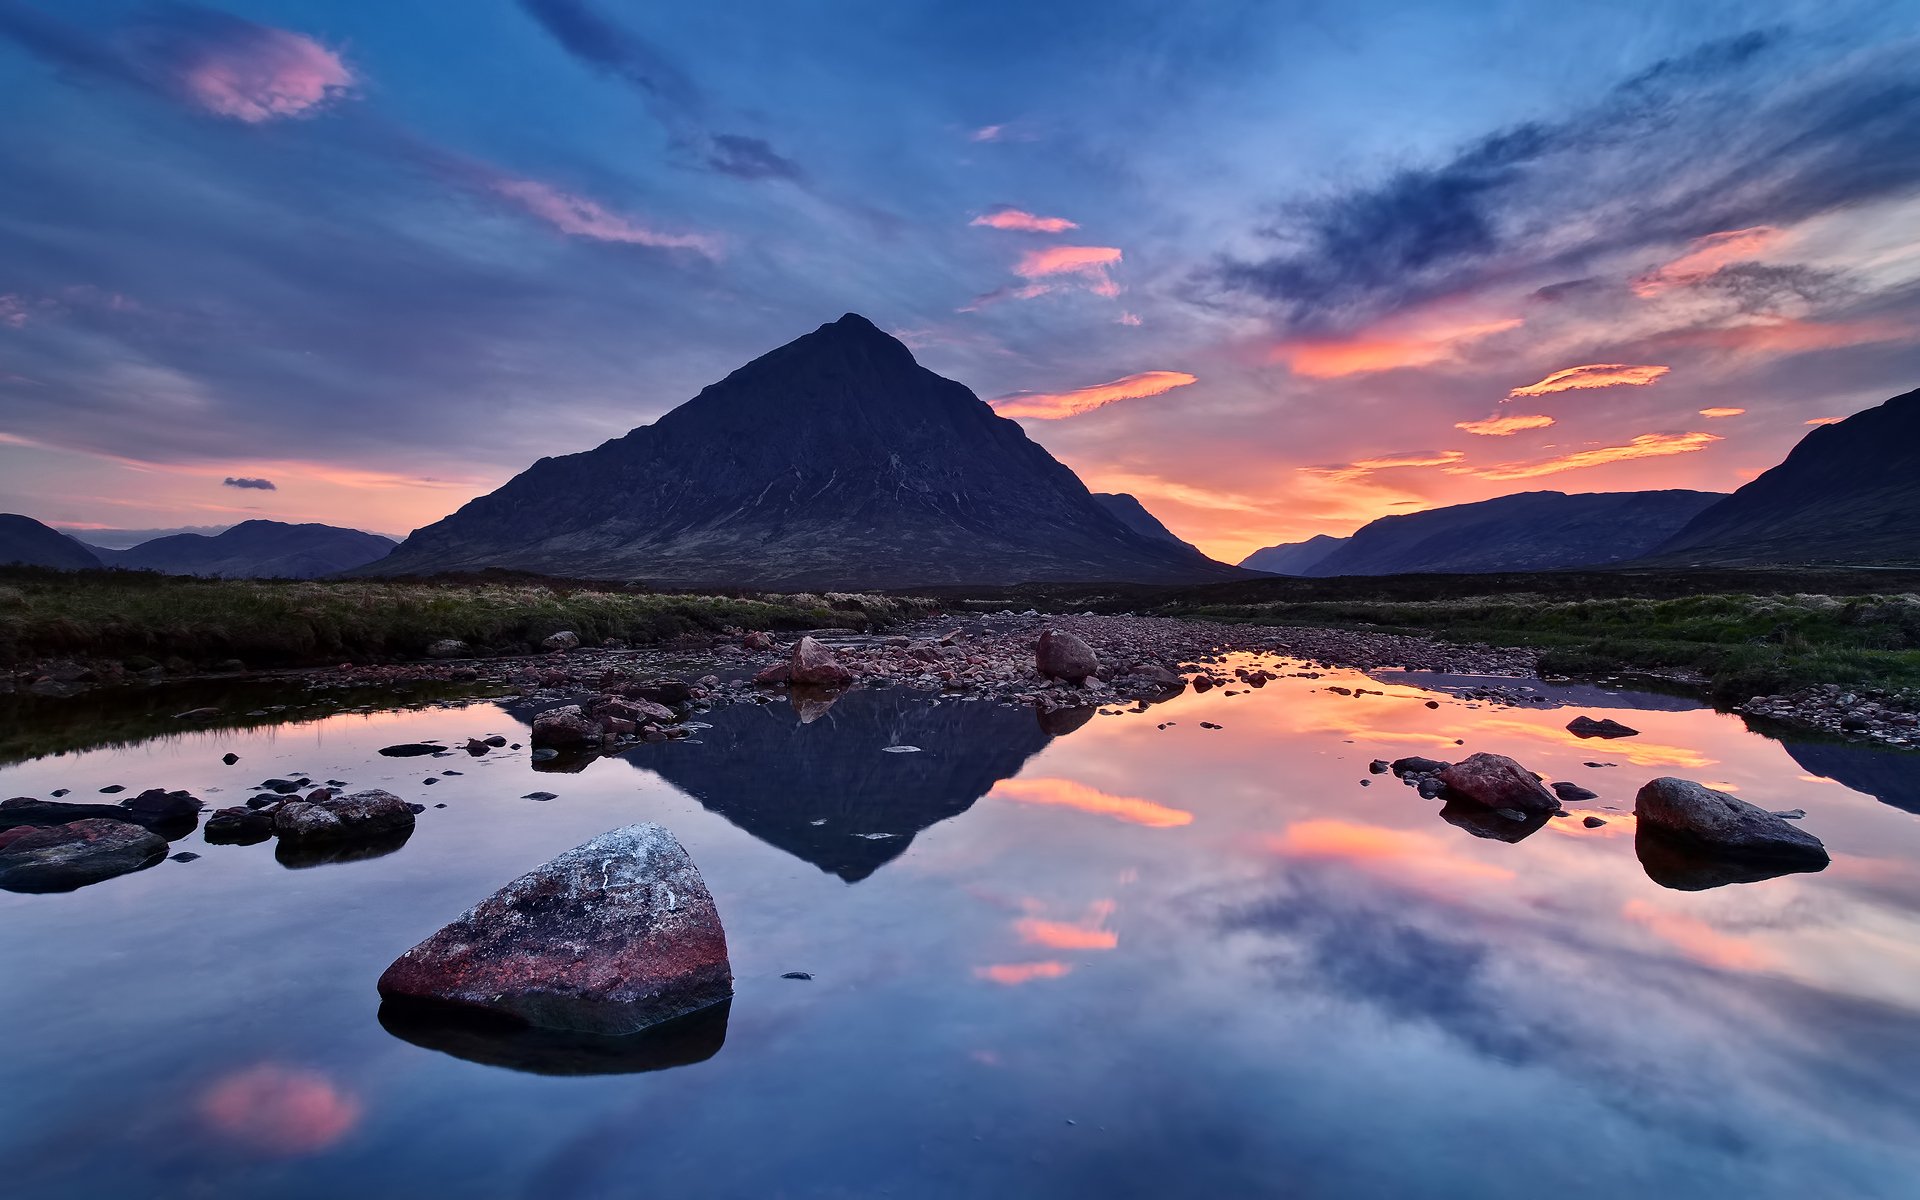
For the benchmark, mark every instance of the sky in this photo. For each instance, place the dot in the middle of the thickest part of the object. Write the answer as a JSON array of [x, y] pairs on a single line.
[[1275, 268]]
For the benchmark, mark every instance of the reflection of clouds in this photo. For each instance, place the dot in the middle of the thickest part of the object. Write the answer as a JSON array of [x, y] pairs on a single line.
[[279, 1109], [1401, 852], [1697, 939], [1639, 752], [1069, 793], [1088, 934], [1015, 974]]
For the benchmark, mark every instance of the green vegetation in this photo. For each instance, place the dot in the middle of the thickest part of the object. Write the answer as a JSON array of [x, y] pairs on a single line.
[[140, 618]]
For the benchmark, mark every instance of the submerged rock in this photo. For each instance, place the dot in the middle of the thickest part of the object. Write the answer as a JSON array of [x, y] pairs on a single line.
[[1496, 781], [1060, 655], [238, 826], [1587, 727], [1416, 766], [813, 664], [1705, 820], [610, 937], [411, 750], [1572, 793], [61, 858], [362, 816]]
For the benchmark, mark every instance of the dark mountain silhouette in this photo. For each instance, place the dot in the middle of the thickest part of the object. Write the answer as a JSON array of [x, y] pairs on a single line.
[[1527, 531], [1848, 493], [1134, 516], [834, 461], [256, 550], [1293, 558], [834, 769], [26, 542]]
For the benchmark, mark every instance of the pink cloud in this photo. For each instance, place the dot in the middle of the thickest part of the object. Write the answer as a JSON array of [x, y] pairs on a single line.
[[1127, 318], [1592, 375], [1026, 222], [1086, 263], [13, 311], [1385, 349], [987, 133], [1051, 406], [256, 73], [1706, 256], [586, 218]]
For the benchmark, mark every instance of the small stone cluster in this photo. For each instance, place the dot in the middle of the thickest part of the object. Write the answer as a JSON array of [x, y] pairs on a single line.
[[1887, 717]]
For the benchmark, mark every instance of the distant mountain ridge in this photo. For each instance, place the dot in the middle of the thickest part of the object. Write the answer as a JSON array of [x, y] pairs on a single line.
[[834, 461], [1293, 558], [26, 542], [256, 550], [1847, 493], [1525, 531], [1134, 516]]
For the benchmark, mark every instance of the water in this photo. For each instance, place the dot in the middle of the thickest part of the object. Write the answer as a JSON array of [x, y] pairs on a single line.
[[1108, 960]]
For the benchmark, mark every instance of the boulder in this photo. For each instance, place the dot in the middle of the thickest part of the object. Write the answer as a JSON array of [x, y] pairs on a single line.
[[368, 815], [1061, 655], [812, 664], [756, 639], [1572, 793], [565, 728], [1158, 676], [611, 937], [61, 858], [167, 818], [1496, 781], [1707, 820], [662, 691], [774, 675], [447, 648], [238, 826], [156, 805], [566, 639], [1416, 766], [1587, 727]]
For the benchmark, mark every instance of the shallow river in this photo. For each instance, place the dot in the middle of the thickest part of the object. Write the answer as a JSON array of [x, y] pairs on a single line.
[[1112, 960]]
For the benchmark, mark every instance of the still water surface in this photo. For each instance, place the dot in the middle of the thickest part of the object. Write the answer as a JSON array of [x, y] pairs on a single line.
[[1111, 960]]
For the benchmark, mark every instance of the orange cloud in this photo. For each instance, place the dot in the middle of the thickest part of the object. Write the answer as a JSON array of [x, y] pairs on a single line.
[[586, 218], [1375, 845], [1504, 426], [1088, 263], [1647, 445], [1013, 218], [1826, 420], [1015, 974], [1697, 939], [1331, 358], [1353, 472], [1707, 255], [1063, 935], [1068, 793], [1723, 412], [1593, 375], [1052, 406], [280, 1110]]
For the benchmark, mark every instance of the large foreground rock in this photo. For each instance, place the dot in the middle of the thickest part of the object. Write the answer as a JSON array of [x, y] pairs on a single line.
[[566, 728], [813, 665], [64, 857], [610, 937], [1727, 826], [1496, 781], [1061, 655], [364, 816]]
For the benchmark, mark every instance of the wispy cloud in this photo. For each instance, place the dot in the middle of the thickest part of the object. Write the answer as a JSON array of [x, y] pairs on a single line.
[[1372, 351], [1051, 406], [1026, 222], [1705, 257], [1592, 375], [1646, 445], [581, 217], [987, 133], [258, 485], [1089, 264], [1068, 793], [1722, 412], [1505, 426]]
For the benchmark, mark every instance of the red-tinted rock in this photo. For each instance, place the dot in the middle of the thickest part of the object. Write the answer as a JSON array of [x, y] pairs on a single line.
[[1061, 655], [7, 836], [64, 857], [610, 937], [565, 728], [1496, 781], [813, 665], [367, 815], [775, 674], [757, 640]]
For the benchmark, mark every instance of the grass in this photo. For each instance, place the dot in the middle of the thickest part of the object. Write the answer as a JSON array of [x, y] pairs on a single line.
[[139, 618]]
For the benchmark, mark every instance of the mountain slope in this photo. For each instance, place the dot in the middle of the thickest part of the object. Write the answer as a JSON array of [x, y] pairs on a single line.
[[1134, 516], [1848, 493], [26, 542], [1527, 531], [835, 461], [1293, 558], [257, 550]]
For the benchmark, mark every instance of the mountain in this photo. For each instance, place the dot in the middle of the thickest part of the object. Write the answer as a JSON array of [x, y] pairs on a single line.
[[1134, 516], [26, 542], [835, 461], [257, 550], [1848, 493], [1293, 558], [1527, 531]]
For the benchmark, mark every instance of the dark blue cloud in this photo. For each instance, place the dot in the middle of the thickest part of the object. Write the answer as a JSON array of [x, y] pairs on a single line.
[[258, 485]]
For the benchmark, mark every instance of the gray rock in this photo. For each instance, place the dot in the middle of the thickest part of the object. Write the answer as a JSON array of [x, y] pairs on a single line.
[[1061, 655], [610, 937], [566, 639], [1415, 765], [364, 815], [1496, 781], [1572, 793], [565, 728], [61, 858], [1726, 825], [237, 826], [447, 648]]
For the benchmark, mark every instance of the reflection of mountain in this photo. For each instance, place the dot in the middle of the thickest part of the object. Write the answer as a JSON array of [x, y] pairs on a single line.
[[1889, 776], [775, 778]]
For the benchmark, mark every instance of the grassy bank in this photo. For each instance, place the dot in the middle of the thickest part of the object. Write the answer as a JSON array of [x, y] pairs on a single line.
[[140, 618]]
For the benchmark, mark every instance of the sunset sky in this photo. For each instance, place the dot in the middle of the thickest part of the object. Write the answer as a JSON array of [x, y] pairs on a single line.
[[1275, 268]]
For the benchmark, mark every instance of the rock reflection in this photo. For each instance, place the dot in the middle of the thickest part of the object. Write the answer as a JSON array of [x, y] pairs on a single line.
[[835, 799], [1494, 824], [1676, 864], [301, 855], [500, 1042]]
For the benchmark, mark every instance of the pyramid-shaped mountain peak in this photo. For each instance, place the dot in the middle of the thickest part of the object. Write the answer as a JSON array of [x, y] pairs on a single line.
[[834, 461]]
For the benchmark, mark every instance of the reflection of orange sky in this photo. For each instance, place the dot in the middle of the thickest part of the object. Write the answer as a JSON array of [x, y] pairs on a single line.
[[279, 1109], [1068, 793], [1015, 974], [1636, 750], [1089, 934], [1378, 847], [1697, 939]]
